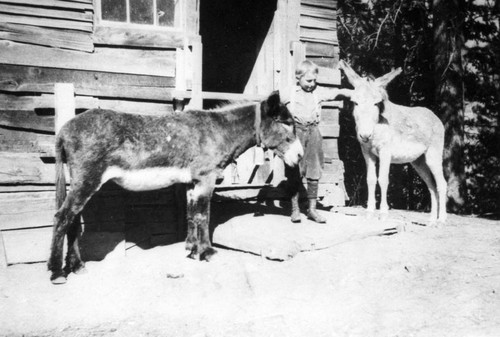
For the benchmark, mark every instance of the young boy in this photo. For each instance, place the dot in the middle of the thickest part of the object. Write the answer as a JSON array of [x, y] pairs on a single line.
[[304, 102]]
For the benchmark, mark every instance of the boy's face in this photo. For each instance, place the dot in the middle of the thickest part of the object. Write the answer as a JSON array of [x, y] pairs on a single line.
[[308, 81]]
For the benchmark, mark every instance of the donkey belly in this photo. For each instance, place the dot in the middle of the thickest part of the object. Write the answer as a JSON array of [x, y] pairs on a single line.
[[147, 179], [406, 152]]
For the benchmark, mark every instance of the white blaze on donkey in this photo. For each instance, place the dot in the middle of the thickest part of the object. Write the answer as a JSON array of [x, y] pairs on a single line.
[[397, 134]]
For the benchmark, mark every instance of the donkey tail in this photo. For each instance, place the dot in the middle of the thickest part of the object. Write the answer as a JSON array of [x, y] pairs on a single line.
[[60, 176]]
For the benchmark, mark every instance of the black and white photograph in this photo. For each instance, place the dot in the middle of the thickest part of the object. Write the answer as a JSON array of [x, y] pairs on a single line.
[[249, 168]]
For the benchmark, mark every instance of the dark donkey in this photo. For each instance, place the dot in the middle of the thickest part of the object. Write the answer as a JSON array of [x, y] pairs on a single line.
[[143, 153]]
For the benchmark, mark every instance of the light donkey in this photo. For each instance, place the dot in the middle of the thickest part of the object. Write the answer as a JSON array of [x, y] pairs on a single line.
[[397, 134]]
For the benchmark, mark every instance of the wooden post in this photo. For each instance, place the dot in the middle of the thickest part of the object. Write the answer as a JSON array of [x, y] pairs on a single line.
[[196, 98], [280, 45], [64, 96]]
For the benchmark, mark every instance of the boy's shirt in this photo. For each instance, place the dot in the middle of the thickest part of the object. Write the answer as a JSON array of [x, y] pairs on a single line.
[[306, 106]]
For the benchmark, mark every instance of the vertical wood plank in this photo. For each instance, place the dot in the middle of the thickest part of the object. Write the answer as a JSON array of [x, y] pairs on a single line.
[[196, 98], [283, 47], [180, 69], [279, 33], [64, 103], [293, 15], [298, 54], [191, 16]]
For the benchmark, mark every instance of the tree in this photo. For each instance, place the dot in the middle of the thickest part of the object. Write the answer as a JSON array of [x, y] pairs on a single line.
[[482, 95], [448, 21], [450, 54]]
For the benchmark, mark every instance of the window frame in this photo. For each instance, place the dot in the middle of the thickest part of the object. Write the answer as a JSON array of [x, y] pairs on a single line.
[[179, 19]]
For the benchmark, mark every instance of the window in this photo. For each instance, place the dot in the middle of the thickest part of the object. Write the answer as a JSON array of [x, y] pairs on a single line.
[[159, 13]]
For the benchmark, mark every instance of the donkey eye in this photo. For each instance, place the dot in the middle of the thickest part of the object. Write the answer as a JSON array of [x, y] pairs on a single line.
[[284, 121]]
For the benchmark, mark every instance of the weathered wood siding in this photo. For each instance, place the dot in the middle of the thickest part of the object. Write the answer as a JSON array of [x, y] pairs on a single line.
[[318, 31], [139, 70], [43, 42], [305, 29]]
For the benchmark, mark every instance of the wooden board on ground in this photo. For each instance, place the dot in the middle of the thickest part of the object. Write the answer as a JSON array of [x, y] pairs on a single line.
[[28, 245], [405, 216], [33, 245], [273, 236]]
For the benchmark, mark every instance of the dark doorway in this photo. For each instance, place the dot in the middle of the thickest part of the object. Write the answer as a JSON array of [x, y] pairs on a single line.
[[232, 34]]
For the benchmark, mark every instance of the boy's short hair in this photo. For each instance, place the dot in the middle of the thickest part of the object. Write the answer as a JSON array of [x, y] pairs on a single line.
[[305, 67]]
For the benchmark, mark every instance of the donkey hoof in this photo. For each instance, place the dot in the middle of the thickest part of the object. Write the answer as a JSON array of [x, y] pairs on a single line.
[[208, 254], [370, 208], [436, 224], [77, 267], [80, 270], [194, 255], [58, 278]]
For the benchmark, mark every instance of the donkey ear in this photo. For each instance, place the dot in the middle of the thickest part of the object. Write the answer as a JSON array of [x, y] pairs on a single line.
[[384, 80], [351, 75], [273, 102]]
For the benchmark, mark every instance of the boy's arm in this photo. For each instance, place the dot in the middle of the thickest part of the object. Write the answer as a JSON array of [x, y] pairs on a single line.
[[331, 94]]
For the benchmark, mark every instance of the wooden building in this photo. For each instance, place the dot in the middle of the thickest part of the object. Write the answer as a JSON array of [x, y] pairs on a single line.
[[147, 57]]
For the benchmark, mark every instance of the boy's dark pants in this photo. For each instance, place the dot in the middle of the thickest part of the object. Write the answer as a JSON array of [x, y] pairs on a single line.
[[309, 167]]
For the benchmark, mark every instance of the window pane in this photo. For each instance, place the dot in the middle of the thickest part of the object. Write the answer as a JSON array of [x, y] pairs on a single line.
[[114, 10], [141, 11], [166, 12]]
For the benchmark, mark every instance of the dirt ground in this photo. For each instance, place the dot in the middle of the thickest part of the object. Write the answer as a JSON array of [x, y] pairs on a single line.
[[421, 282]]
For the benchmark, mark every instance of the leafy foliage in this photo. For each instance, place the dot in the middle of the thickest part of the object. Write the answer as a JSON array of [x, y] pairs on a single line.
[[385, 34], [482, 85]]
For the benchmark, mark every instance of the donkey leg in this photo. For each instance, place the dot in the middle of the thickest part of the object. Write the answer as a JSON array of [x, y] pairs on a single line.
[[371, 180], [424, 172], [204, 245], [198, 241], [74, 261], [192, 229], [62, 221], [55, 262], [434, 160], [198, 200], [86, 189], [383, 179], [64, 224]]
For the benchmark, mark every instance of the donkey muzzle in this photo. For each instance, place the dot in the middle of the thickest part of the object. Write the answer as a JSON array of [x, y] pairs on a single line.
[[365, 138]]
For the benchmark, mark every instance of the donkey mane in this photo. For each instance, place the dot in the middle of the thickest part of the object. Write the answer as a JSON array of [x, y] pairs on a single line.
[[228, 113], [227, 106]]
